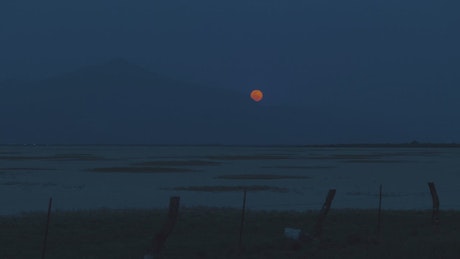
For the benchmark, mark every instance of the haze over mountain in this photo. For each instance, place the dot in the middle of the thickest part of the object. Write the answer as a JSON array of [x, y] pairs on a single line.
[[331, 71], [122, 103]]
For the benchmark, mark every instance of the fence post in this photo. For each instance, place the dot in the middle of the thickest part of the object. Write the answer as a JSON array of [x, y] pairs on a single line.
[[46, 229], [379, 218], [240, 242], [434, 196], [160, 238], [323, 213]]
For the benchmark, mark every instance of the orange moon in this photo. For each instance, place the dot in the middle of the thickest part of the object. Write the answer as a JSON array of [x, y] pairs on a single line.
[[257, 95]]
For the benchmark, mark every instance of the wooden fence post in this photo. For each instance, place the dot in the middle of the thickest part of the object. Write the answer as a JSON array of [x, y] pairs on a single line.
[[434, 196], [46, 229], [323, 213], [160, 238], [240, 242], [379, 218]]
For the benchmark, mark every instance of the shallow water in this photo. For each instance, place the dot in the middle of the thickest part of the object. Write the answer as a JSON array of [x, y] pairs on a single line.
[[86, 177]]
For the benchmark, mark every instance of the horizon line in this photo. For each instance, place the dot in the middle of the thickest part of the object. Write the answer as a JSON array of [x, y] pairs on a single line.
[[375, 144]]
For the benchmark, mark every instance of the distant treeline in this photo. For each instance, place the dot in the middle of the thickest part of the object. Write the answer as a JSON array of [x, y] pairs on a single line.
[[414, 144]]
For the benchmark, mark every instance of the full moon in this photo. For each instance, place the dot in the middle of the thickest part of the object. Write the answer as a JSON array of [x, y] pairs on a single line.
[[257, 95]]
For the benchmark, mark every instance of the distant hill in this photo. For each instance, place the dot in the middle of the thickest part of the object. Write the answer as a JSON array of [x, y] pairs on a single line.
[[122, 103]]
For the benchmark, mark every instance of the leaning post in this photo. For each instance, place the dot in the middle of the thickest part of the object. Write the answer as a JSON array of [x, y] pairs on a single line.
[[323, 213], [379, 216], [243, 210], [46, 228], [160, 238], [435, 198]]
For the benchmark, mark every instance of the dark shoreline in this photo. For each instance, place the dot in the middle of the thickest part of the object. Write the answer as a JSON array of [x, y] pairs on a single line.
[[401, 145], [207, 232], [349, 145]]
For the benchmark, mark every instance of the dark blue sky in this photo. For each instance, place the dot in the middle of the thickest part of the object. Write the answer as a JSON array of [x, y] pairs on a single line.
[[391, 62]]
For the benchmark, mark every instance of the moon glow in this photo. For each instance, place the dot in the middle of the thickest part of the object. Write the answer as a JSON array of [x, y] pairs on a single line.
[[257, 95]]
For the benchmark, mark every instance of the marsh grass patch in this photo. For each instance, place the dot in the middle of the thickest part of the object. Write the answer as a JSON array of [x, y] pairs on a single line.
[[8, 153], [254, 157], [142, 170], [345, 156], [386, 194], [298, 167], [26, 169], [374, 161], [27, 184], [179, 163], [64, 157], [221, 188], [9, 157], [375, 157], [260, 177], [84, 157]]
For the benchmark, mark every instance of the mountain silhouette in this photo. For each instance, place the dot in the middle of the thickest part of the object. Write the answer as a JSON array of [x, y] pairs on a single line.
[[121, 103]]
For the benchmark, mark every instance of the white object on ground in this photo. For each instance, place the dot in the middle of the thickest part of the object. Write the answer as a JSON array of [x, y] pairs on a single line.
[[292, 233]]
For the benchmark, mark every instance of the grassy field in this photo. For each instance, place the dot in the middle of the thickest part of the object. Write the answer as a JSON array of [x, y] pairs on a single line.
[[213, 233]]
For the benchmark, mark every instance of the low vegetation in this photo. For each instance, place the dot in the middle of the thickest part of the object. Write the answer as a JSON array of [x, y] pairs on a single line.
[[260, 177], [129, 169], [253, 157], [221, 188], [179, 163], [203, 232], [66, 157]]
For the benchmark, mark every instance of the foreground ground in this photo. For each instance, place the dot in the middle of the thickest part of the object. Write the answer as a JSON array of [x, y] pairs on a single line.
[[214, 233]]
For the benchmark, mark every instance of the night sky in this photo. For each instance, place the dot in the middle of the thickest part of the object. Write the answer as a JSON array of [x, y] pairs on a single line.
[[180, 72]]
